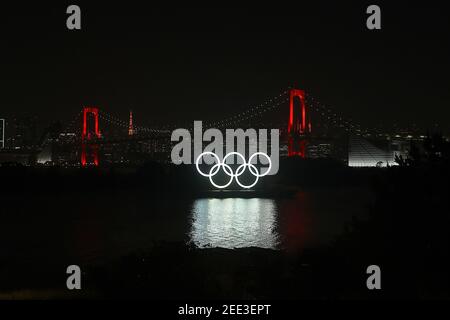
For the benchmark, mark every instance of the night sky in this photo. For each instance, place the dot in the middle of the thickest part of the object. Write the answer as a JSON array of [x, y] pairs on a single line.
[[171, 63]]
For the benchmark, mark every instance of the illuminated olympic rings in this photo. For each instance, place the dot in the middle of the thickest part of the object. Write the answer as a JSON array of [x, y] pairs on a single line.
[[227, 169]]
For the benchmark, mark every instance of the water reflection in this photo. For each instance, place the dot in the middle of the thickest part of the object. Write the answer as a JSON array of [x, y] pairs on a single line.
[[234, 223]]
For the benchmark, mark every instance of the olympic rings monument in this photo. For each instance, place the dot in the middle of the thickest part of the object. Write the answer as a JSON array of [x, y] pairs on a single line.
[[229, 171], [258, 144]]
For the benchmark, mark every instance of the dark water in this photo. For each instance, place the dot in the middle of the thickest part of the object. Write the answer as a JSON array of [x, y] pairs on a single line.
[[98, 228]]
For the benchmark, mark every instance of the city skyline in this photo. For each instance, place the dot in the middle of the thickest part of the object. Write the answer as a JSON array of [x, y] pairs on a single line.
[[203, 156]]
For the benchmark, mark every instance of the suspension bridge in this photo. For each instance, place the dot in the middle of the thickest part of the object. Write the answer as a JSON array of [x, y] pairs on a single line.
[[301, 119]]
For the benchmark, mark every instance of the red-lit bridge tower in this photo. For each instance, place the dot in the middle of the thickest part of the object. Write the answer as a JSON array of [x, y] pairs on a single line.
[[299, 126], [89, 151]]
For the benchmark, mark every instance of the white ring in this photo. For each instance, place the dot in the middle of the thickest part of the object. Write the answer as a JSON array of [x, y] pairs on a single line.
[[268, 158], [232, 154], [231, 176], [237, 176], [200, 157], [229, 171]]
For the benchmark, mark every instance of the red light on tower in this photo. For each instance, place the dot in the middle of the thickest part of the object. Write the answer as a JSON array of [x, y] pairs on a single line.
[[298, 126], [86, 136], [94, 112], [130, 127]]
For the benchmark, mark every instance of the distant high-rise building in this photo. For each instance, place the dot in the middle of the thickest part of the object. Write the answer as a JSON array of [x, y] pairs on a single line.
[[2, 133], [362, 153], [319, 150], [24, 132]]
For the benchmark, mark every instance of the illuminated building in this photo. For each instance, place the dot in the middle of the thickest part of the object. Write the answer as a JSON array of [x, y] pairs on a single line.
[[2, 133], [24, 133], [362, 153]]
